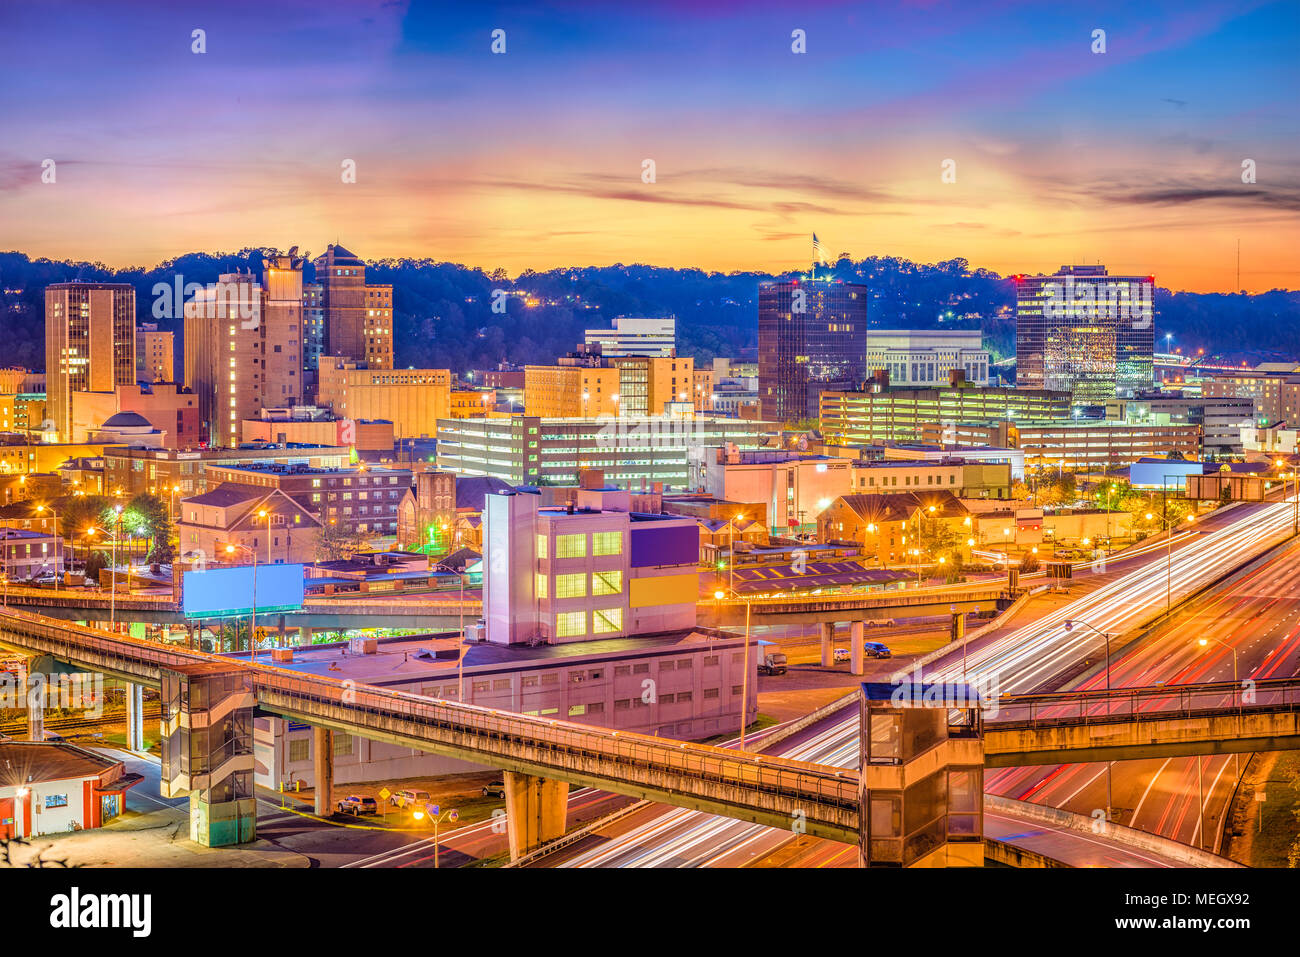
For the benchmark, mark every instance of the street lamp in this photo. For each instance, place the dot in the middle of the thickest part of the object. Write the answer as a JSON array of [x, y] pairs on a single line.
[[57, 543], [731, 551], [252, 626], [1168, 526], [112, 575], [435, 817], [1069, 625], [1236, 690]]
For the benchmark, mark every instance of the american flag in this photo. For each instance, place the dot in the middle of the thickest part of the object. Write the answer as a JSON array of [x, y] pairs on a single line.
[[817, 250]]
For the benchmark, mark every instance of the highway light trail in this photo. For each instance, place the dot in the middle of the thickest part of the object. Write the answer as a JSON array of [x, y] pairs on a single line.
[[1016, 663]]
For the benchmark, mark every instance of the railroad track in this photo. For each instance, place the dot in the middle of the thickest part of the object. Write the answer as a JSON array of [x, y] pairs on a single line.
[[76, 724]]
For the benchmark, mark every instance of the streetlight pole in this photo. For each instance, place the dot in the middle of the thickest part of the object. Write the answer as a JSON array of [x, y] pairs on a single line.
[[744, 680], [1236, 690], [1109, 764], [1168, 526], [57, 542], [436, 815], [460, 678], [252, 626], [112, 575]]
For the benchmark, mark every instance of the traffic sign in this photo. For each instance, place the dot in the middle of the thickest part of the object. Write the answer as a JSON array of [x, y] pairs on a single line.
[[385, 794]]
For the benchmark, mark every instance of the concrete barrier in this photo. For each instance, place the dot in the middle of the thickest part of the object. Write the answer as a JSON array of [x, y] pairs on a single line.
[[1000, 852], [1118, 833]]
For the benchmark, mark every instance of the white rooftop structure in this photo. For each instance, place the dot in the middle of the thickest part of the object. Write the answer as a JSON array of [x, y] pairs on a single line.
[[632, 336]]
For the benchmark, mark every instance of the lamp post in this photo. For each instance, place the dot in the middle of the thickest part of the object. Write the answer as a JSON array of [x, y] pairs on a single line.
[[1168, 526], [436, 816], [731, 551], [460, 665], [1236, 758], [1295, 491], [112, 575], [57, 542], [744, 680], [1069, 625], [252, 626]]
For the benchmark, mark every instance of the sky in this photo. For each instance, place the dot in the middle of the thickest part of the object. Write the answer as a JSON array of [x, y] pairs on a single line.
[[533, 158]]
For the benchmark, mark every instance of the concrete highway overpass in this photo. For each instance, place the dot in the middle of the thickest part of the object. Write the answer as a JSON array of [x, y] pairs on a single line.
[[1152, 722]]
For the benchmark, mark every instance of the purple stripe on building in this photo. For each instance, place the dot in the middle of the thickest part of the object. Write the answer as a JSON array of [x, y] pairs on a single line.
[[672, 545]]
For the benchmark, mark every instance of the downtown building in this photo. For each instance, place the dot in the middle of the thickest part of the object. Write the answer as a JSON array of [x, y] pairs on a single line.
[[154, 354], [1085, 332], [632, 336], [413, 400], [811, 337], [243, 347], [632, 451], [357, 316], [887, 415], [923, 357], [89, 344]]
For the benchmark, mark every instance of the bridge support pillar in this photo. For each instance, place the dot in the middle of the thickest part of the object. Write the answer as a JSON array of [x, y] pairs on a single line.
[[135, 717], [280, 640], [323, 756], [828, 643], [535, 811], [855, 647], [35, 711]]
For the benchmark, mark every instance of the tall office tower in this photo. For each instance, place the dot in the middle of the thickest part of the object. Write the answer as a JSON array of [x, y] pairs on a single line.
[[243, 346], [812, 335], [89, 343], [631, 336], [153, 354], [1085, 332], [358, 317], [313, 335]]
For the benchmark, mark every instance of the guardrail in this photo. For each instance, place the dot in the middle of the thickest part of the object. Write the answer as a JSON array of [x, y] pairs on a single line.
[[561, 746], [1154, 702], [895, 596], [548, 745]]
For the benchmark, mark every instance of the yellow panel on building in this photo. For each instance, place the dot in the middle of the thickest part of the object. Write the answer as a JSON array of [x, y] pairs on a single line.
[[664, 590]]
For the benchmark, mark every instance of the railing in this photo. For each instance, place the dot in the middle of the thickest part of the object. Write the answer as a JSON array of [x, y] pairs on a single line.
[[559, 744], [1155, 702], [541, 742], [893, 596]]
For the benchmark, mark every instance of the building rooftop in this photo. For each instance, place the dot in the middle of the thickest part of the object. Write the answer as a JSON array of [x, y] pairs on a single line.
[[278, 468], [471, 490], [228, 493], [22, 762], [412, 659]]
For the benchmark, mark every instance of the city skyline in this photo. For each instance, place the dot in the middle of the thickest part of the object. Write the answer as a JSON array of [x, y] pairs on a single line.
[[533, 158]]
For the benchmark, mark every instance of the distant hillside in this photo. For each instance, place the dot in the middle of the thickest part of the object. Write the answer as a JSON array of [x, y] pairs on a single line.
[[443, 315]]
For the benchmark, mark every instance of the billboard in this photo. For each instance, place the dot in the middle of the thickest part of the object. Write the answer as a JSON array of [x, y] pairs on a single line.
[[228, 592]]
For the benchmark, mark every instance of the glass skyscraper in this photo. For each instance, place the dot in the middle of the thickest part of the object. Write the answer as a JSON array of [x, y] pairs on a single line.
[[812, 335], [1085, 332]]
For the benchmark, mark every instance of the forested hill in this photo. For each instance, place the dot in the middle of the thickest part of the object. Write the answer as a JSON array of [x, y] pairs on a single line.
[[444, 317]]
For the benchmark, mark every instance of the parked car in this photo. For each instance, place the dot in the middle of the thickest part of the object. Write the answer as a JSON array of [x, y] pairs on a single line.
[[496, 789], [407, 797], [879, 623], [357, 805], [874, 649], [842, 654]]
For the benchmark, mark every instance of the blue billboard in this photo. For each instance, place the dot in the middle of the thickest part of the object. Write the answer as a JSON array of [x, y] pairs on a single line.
[[228, 592]]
